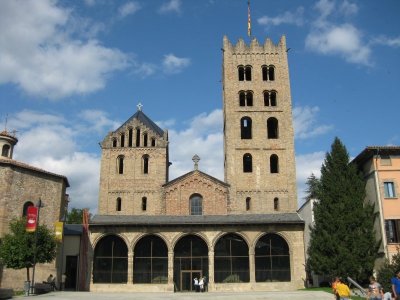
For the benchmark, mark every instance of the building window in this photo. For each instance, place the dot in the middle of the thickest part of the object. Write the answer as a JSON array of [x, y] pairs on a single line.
[[246, 98], [145, 164], [144, 203], [272, 128], [5, 151], [119, 204], [122, 140], [276, 204], [130, 137], [120, 166], [196, 205], [25, 208], [153, 142], [145, 138], [270, 98], [245, 128], [385, 160], [274, 163], [137, 137], [392, 228], [268, 73], [389, 190], [114, 142], [244, 73], [247, 163], [248, 200]]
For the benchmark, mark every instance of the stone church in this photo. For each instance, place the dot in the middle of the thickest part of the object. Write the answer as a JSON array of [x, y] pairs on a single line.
[[241, 234]]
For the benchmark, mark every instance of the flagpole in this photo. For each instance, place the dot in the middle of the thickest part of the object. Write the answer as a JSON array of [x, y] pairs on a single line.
[[248, 19]]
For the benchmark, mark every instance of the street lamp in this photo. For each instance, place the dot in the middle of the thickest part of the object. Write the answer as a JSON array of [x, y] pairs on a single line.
[[38, 205]]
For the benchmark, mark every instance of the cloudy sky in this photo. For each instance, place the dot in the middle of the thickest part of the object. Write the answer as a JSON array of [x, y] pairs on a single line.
[[70, 71]]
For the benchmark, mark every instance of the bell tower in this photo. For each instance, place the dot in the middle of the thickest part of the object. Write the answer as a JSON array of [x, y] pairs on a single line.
[[7, 143], [259, 160]]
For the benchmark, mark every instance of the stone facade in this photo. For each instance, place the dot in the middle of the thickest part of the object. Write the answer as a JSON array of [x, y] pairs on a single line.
[[255, 203], [20, 185]]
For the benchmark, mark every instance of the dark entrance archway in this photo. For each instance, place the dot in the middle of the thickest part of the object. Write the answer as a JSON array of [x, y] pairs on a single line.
[[190, 261], [110, 262]]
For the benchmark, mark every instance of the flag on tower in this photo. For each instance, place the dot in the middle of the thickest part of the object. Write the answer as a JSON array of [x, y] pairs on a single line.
[[248, 19]]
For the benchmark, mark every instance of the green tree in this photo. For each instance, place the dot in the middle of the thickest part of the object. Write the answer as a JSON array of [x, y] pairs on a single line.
[[312, 187], [75, 216], [342, 239], [17, 249], [388, 270]]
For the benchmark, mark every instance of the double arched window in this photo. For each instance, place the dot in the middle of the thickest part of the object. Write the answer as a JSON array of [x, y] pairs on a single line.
[[270, 98], [246, 98], [244, 73], [268, 73]]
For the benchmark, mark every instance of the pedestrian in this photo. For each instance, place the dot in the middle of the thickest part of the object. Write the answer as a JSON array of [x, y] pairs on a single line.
[[343, 290], [396, 285], [333, 285], [375, 291], [196, 284], [201, 284]]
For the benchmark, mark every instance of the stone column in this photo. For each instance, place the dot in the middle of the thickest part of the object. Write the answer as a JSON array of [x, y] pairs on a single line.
[[130, 266], [210, 276], [252, 266], [171, 267]]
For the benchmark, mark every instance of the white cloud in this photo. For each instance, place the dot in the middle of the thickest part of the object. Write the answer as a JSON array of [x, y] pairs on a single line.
[[386, 41], [287, 17], [304, 123], [307, 164], [173, 64], [347, 8], [171, 6], [344, 40], [39, 54], [128, 8]]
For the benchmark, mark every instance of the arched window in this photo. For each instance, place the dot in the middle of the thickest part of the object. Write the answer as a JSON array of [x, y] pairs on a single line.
[[120, 166], [272, 127], [247, 163], [118, 204], [274, 163], [247, 72], [144, 203], [272, 259], [196, 205], [137, 137], [130, 137], [25, 208], [110, 261], [114, 142], [248, 200], [150, 262], [265, 73], [145, 140], [5, 151], [245, 128], [145, 159], [270, 98], [249, 98], [241, 73], [231, 259], [242, 98], [153, 142], [276, 204], [122, 140]]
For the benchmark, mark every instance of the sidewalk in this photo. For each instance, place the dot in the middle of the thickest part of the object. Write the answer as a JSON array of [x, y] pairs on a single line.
[[292, 295]]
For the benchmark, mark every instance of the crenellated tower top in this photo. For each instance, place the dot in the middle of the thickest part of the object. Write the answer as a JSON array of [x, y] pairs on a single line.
[[255, 47]]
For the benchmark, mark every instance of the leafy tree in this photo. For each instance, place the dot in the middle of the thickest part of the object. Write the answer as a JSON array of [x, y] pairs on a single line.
[[388, 270], [75, 216], [313, 187], [342, 239], [17, 249]]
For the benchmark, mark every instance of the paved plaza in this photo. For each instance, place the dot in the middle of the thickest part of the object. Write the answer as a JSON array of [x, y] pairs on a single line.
[[292, 295]]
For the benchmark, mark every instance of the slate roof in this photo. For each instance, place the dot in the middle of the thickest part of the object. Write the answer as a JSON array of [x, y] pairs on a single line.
[[246, 219], [12, 162], [140, 115]]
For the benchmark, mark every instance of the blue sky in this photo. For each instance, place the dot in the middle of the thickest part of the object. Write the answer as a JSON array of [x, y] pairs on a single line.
[[70, 71]]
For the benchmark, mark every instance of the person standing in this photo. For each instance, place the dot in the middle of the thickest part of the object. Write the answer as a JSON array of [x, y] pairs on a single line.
[[333, 285], [375, 291], [396, 285], [343, 290], [201, 284], [196, 284]]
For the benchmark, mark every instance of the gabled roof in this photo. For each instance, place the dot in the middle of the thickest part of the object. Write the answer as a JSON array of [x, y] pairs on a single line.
[[202, 174], [18, 164], [140, 115], [370, 151], [211, 220]]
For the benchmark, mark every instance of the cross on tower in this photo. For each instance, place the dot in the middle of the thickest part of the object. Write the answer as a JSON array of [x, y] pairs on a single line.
[[196, 160], [139, 106]]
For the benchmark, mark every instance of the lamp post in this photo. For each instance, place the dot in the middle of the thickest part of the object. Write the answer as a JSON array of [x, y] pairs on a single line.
[[38, 205]]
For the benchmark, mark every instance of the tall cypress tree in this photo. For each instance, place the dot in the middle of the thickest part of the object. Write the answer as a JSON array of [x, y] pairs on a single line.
[[342, 239]]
